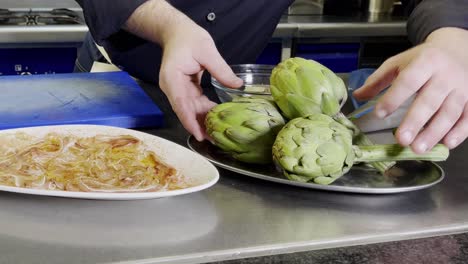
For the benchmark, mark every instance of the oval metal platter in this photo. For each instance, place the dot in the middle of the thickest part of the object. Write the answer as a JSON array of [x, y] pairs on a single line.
[[403, 177]]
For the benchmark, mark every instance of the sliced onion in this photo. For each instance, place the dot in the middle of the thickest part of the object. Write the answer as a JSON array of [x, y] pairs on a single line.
[[98, 164]]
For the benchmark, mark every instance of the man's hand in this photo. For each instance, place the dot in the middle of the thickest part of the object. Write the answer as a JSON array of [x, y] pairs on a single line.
[[188, 50], [437, 71]]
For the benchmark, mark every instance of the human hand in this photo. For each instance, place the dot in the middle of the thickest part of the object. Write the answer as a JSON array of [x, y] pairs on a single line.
[[187, 53], [188, 50], [436, 71]]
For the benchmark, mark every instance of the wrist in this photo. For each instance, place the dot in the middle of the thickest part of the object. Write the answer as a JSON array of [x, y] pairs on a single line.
[[157, 21], [447, 33], [450, 39]]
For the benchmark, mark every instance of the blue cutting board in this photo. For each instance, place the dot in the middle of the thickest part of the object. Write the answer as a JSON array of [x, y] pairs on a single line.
[[110, 98]]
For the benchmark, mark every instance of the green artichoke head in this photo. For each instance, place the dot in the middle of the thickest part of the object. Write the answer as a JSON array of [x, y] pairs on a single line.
[[314, 148], [246, 128], [302, 87]]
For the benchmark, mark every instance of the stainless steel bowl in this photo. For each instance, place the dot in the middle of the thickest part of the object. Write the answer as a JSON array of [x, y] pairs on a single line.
[[256, 79]]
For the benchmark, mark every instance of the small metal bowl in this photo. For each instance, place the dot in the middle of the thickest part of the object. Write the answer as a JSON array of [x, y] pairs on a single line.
[[256, 79]]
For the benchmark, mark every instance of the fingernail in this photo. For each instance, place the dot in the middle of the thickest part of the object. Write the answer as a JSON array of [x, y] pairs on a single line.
[[406, 137], [380, 113], [422, 147], [199, 138], [452, 143], [239, 82], [357, 90]]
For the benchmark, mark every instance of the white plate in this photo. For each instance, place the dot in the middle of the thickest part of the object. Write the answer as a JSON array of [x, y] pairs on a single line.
[[197, 170]]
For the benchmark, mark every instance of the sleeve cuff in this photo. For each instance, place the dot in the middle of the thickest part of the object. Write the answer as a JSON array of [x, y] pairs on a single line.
[[434, 14], [106, 17]]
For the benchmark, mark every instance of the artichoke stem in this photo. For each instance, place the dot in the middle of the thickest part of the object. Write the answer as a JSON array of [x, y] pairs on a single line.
[[361, 139], [394, 152]]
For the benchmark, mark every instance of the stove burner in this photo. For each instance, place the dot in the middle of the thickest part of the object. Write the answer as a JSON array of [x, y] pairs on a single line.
[[58, 16], [4, 14]]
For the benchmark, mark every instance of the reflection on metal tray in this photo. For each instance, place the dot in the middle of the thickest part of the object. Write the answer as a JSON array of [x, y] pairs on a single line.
[[403, 177]]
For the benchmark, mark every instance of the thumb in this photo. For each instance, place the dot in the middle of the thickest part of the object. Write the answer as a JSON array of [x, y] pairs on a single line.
[[214, 63]]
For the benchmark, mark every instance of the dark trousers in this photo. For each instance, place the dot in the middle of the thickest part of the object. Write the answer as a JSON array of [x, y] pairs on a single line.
[[87, 55]]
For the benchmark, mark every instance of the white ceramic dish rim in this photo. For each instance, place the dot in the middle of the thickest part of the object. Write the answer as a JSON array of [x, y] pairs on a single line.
[[101, 129]]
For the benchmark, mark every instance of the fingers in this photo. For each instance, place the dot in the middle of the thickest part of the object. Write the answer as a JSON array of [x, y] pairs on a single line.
[[185, 96], [440, 125], [412, 78], [191, 112], [182, 108], [427, 102], [380, 79], [459, 132], [439, 111], [175, 83], [180, 74], [212, 61]]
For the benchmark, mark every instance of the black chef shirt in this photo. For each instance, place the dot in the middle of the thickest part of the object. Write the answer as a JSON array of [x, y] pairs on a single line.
[[240, 28]]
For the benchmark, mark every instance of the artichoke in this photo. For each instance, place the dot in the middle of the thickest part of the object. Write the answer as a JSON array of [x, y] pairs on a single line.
[[318, 148], [246, 128], [301, 87]]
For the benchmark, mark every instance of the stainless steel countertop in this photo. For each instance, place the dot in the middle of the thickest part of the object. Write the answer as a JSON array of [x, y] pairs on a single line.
[[238, 217]]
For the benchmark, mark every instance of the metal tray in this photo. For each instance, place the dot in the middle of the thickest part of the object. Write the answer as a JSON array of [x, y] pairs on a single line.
[[403, 177]]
